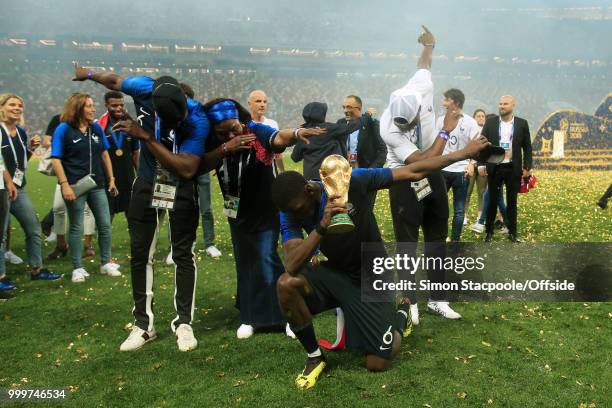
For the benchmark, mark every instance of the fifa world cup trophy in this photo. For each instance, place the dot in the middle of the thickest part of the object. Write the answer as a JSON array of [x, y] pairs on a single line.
[[335, 173]]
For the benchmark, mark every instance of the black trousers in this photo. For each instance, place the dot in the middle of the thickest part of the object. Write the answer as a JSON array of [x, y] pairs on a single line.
[[431, 214], [143, 224], [503, 174]]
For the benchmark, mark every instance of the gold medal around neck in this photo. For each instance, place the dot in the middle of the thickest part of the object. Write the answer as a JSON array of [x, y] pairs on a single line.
[[119, 152]]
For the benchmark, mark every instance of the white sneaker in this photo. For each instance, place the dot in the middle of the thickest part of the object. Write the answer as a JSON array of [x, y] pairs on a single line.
[[185, 339], [169, 260], [244, 331], [51, 238], [504, 230], [137, 339], [110, 268], [443, 309], [213, 251], [79, 275], [289, 332], [477, 227], [414, 314], [12, 258]]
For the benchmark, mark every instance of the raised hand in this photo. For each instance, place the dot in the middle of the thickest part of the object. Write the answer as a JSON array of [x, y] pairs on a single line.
[[426, 38]]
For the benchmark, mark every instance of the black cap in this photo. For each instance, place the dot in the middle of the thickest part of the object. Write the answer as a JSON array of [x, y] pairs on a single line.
[[492, 154], [169, 100]]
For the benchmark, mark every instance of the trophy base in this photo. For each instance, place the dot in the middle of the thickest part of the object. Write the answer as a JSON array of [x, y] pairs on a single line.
[[340, 224]]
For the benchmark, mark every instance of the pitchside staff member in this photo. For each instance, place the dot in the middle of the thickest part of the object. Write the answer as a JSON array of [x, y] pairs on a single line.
[[124, 153], [511, 133], [374, 327], [173, 133], [408, 128]]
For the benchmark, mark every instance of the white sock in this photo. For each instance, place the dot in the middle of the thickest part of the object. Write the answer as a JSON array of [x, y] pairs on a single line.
[[316, 353]]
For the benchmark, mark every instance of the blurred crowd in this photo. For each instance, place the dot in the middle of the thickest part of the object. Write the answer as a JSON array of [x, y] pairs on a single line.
[[45, 88]]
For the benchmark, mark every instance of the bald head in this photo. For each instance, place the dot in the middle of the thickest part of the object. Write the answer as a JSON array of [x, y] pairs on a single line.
[[258, 104], [506, 106]]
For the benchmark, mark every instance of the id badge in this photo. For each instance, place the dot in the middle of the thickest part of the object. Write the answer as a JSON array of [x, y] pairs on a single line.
[[164, 191], [508, 153], [230, 206], [18, 177], [421, 188]]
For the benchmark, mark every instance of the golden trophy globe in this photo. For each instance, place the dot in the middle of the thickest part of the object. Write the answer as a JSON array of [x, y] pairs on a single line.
[[335, 174]]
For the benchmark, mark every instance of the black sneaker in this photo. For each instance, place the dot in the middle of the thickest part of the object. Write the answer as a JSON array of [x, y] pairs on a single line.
[[5, 295], [44, 274]]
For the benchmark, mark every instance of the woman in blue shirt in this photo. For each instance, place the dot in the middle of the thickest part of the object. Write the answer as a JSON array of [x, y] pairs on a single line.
[[16, 151], [80, 161]]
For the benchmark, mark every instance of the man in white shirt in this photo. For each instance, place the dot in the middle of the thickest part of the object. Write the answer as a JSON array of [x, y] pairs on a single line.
[[455, 174], [258, 107], [407, 126]]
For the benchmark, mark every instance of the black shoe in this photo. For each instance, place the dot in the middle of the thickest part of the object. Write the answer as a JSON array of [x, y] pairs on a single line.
[[489, 237], [602, 203], [513, 238], [5, 295]]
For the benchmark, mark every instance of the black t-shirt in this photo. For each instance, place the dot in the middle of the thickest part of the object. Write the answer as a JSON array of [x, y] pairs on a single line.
[[53, 124], [343, 251], [256, 211]]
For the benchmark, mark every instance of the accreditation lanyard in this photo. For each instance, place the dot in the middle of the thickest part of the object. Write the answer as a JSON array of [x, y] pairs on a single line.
[[25, 151], [226, 178], [158, 134], [418, 134]]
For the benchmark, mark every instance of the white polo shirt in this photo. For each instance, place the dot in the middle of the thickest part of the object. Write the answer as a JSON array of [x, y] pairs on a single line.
[[400, 145], [466, 130], [270, 122]]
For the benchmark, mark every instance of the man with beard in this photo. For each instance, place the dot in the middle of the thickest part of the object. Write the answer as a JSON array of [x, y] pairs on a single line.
[[124, 152]]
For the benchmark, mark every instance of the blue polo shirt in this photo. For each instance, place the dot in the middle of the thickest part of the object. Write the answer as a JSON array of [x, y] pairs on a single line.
[[18, 159], [343, 251], [189, 137], [72, 146]]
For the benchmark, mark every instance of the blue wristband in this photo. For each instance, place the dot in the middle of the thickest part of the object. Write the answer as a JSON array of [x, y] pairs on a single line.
[[444, 134]]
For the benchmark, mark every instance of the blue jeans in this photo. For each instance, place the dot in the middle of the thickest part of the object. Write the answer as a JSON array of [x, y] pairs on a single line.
[[4, 216], [485, 204], [24, 212], [459, 183], [208, 222], [258, 267], [98, 203]]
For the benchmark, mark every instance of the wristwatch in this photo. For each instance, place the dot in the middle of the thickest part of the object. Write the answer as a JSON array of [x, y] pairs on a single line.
[[320, 229]]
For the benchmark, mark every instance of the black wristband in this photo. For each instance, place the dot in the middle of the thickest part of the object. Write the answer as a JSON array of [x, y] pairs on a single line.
[[320, 229]]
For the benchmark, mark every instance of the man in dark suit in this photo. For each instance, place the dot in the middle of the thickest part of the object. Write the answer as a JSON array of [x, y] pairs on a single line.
[[511, 133], [364, 146]]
